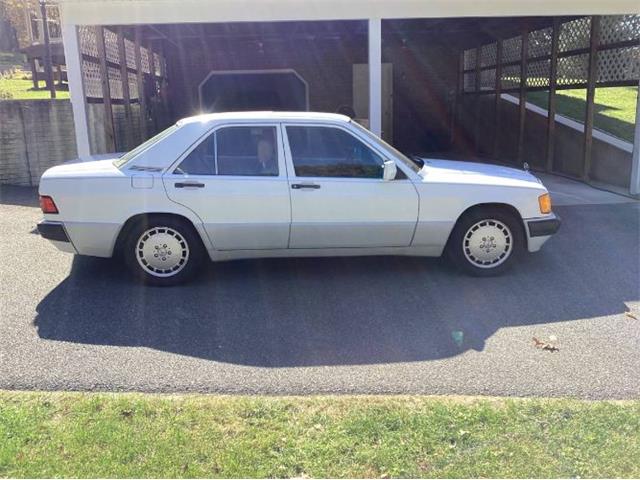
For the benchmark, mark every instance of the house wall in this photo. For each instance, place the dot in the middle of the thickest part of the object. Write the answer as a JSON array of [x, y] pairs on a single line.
[[424, 79], [34, 135], [325, 65]]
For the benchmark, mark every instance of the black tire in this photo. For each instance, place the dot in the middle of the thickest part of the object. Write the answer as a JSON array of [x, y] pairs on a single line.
[[458, 244], [183, 233]]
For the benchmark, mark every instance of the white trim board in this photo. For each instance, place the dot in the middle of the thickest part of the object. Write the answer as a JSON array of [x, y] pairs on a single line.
[[130, 12], [599, 134]]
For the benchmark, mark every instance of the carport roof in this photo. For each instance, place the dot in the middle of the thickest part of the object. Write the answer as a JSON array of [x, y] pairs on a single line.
[[128, 12]]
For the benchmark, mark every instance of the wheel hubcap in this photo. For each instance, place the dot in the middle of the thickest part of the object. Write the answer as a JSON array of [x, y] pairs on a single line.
[[488, 243], [162, 251]]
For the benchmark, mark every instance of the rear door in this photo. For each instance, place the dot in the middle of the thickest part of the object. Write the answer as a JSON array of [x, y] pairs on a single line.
[[235, 180], [338, 196]]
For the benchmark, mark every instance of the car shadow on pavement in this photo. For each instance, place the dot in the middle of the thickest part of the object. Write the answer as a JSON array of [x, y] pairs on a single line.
[[348, 311]]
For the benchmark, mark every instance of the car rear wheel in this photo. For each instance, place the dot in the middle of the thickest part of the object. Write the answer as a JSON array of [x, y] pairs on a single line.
[[163, 251], [486, 241]]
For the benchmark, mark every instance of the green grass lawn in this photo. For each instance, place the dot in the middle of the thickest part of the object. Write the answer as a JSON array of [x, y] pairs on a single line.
[[22, 89], [134, 435], [615, 108]]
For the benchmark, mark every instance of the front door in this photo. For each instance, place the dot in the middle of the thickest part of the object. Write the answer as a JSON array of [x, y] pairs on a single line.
[[338, 196], [235, 181]]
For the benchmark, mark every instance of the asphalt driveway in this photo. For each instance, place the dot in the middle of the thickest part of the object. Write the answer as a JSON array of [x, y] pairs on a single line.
[[357, 325]]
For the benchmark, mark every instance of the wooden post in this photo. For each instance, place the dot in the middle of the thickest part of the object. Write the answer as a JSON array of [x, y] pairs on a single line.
[[498, 88], [453, 135], [110, 135], [375, 75], [142, 101], [184, 69], [634, 183], [553, 83], [523, 93], [48, 68], [126, 94], [73, 58], [476, 116], [34, 73], [152, 74], [591, 93]]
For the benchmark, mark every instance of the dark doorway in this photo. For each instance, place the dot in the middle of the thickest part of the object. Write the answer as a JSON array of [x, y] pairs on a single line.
[[253, 90]]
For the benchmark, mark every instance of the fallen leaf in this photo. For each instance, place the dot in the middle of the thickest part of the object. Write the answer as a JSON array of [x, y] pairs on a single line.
[[631, 315], [544, 345]]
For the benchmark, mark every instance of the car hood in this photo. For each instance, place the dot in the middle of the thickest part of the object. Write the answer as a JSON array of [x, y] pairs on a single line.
[[91, 166], [453, 171]]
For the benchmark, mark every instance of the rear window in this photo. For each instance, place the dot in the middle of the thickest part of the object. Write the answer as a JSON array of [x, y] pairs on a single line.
[[127, 157]]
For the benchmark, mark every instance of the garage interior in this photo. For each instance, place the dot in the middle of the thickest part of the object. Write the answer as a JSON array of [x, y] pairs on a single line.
[[451, 87]]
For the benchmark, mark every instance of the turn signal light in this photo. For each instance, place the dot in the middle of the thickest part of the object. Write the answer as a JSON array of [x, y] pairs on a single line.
[[47, 205], [545, 203]]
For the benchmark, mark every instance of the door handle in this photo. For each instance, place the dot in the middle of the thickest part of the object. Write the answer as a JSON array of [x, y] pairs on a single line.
[[297, 186], [189, 185]]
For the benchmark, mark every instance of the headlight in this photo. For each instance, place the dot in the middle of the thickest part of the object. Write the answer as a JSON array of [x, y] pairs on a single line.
[[544, 201]]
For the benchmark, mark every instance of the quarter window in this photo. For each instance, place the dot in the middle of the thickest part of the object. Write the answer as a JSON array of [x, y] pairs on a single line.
[[331, 152], [242, 151]]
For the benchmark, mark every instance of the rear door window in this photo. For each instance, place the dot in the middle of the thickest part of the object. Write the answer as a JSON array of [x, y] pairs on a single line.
[[237, 151]]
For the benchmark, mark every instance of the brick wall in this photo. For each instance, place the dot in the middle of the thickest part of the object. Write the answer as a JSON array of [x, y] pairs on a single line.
[[34, 135]]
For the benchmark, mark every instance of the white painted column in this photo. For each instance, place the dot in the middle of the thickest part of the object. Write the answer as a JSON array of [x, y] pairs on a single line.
[[73, 58], [634, 184], [375, 76]]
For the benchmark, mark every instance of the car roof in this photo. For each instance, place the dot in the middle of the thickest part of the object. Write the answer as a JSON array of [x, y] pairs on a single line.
[[265, 116]]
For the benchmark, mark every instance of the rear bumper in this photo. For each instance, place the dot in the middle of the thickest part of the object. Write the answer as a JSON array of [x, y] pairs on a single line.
[[56, 233], [53, 231]]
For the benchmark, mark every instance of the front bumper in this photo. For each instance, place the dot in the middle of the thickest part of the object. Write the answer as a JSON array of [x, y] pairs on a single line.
[[539, 230], [543, 228]]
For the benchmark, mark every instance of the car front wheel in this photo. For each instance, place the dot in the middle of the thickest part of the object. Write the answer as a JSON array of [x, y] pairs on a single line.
[[486, 241], [163, 251]]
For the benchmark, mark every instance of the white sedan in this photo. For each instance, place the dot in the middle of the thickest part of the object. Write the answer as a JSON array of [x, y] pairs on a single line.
[[246, 185]]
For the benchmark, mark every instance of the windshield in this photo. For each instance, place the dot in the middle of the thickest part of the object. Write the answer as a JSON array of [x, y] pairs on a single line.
[[127, 157], [414, 166]]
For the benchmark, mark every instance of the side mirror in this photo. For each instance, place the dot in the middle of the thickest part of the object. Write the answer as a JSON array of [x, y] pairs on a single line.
[[389, 170]]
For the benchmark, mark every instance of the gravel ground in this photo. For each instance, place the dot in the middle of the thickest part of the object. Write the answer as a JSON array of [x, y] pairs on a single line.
[[358, 325]]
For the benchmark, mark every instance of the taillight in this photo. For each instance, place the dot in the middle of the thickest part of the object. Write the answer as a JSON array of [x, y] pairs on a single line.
[[47, 204]]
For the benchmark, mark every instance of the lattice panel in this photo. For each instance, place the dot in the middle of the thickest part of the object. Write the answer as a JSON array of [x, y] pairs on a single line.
[[619, 64], [619, 28], [469, 59], [510, 77], [470, 82], [573, 70], [488, 79], [511, 49], [91, 79], [488, 55], [133, 86], [88, 41], [144, 59], [575, 34], [540, 42], [115, 83], [111, 46], [130, 52], [538, 73]]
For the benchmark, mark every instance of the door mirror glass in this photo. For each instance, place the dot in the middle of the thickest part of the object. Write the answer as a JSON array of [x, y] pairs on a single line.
[[389, 170]]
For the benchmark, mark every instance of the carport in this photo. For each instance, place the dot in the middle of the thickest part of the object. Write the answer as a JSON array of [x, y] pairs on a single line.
[[439, 77]]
